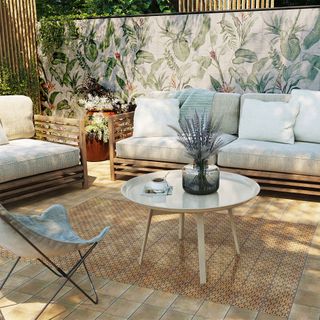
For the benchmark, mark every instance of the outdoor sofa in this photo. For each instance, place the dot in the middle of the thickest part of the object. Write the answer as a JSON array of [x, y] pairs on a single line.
[[37, 153], [284, 167]]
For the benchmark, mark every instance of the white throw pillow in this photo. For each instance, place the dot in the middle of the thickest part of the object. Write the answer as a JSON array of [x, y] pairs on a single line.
[[268, 121], [3, 137], [152, 117], [308, 120]]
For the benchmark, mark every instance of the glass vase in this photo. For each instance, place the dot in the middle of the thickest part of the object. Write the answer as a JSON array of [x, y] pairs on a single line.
[[200, 178]]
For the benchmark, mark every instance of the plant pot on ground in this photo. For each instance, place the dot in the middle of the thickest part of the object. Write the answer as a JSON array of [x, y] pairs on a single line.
[[97, 137]]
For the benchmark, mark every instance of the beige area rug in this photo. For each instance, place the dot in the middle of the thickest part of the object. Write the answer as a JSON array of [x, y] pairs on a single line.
[[265, 276]]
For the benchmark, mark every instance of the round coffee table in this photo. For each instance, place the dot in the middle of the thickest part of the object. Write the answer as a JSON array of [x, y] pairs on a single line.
[[234, 190]]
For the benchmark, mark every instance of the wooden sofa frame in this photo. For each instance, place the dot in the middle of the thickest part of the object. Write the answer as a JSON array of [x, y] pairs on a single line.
[[57, 130], [121, 127]]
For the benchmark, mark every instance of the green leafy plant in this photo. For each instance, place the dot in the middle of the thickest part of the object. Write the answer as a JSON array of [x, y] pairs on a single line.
[[23, 81], [97, 127], [54, 33]]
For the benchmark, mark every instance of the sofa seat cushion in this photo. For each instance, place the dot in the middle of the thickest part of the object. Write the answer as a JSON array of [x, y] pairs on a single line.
[[27, 157], [166, 149], [299, 158]]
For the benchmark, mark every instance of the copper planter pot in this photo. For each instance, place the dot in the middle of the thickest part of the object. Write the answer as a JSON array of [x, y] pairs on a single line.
[[97, 150]]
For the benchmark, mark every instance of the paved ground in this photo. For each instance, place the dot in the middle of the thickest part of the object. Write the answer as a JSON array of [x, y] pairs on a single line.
[[27, 290]]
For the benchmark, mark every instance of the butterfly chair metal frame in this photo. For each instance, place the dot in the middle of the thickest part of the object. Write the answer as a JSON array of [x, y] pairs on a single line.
[[58, 271]]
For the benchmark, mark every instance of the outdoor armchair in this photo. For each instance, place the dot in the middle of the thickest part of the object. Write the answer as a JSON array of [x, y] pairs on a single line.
[[43, 237]]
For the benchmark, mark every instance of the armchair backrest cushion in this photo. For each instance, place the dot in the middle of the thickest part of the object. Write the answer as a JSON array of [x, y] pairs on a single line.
[[16, 115]]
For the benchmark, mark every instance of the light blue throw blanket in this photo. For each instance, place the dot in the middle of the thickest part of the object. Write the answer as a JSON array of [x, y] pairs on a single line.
[[192, 100]]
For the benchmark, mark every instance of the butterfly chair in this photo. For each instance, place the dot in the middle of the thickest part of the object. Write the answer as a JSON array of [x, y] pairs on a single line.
[[43, 237]]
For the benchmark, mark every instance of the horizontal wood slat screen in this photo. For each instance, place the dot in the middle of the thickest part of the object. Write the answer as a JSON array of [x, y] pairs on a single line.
[[219, 5], [18, 48]]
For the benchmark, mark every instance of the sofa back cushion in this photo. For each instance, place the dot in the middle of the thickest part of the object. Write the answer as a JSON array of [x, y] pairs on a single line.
[[225, 108], [267, 97], [268, 120], [308, 120], [16, 115]]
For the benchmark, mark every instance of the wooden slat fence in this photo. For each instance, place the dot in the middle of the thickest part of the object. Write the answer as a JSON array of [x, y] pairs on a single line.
[[218, 5], [18, 48]]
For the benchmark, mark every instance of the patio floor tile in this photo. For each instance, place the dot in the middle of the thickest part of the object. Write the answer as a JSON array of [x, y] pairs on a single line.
[[147, 312], [46, 275], [186, 304], [114, 288], [72, 297], [161, 299], [213, 310], [299, 312], [236, 313], [34, 286], [176, 315], [265, 316], [307, 298], [83, 314], [30, 270], [51, 289], [123, 308], [105, 301], [106, 316], [16, 281], [137, 294], [13, 298]]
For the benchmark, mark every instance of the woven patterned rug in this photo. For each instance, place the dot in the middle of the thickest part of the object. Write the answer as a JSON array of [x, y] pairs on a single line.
[[265, 276]]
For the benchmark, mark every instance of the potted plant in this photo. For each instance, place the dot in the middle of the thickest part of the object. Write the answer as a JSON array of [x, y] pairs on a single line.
[[97, 137], [201, 138]]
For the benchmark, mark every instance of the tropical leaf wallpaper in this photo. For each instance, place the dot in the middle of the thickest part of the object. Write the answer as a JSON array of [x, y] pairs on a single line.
[[262, 51]]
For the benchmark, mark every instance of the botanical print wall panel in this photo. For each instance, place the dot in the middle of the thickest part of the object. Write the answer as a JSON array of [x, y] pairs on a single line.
[[262, 51]]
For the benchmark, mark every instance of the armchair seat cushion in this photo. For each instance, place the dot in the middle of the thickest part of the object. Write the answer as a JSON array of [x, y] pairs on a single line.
[[298, 158], [27, 157]]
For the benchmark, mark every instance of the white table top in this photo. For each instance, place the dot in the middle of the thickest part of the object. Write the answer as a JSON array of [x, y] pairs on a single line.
[[234, 190]]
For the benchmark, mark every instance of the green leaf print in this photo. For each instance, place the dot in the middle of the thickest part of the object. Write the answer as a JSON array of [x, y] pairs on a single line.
[[314, 61], [290, 47], [181, 49], [200, 38], [215, 84], [143, 56], [63, 105], [58, 57], [56, 76], [70, 65], [205, 62], [244, 55], [289, 42], [108, 36], [121, 82], [314, 36], [91, 50], [53, 96], [110, 64]]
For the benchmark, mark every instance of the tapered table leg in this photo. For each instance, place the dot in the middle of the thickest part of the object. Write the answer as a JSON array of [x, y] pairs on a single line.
[[146, 236], [234, 232], [201, 248], [181, 226]]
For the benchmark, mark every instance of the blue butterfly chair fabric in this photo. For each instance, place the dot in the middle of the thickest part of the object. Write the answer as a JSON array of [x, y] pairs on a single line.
[[43, 237], [51, 231]]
